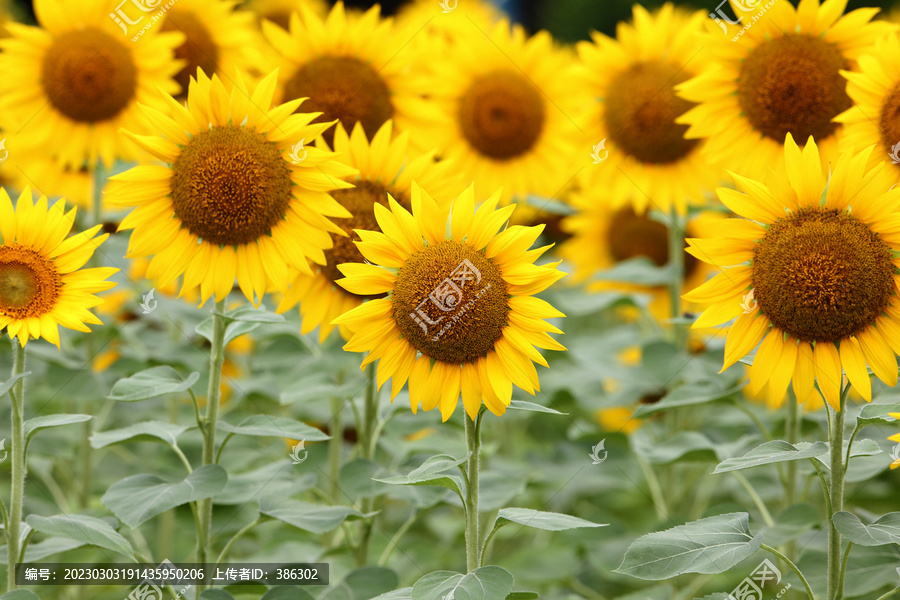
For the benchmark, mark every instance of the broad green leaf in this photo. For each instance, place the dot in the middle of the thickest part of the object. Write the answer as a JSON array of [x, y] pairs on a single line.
[[40, 550], [249, 313], [431, 472], [275, 426], [287, 592], [790, 523], [486, 583], [689, 394], [82, 528], [709, 546], [639, 270], [356, 479], [138, 498], [5, 386], [538, 519], [685, 446], [877, 414], [884, 530], [151, 383], [532, 407], [314, 518], [233, 329], [775, 451], [32, 426], [275, 479], [362, 584], [20, 595], [862, 447], [148, 431], [401, 594], [215, 595]]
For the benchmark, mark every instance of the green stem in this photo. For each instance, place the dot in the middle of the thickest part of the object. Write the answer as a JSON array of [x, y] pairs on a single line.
[[836, 494], [240, 533], [335, 445], [889, 594], [389, 549], [17, 454], [366, 431], [216, 357], [793, 567], [767, 517], [676, 264], [473, 445], [659, 501], [756, 420], [844, 568], [792, 435]]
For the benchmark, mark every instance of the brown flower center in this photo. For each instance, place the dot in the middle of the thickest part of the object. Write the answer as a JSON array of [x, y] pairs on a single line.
[[821, 275], [199, 50], [502, 114], [641, 108], [29, 282], [631, 235], [230, 185], [342, 88], [89, 75], [450, 302], [792, 84]]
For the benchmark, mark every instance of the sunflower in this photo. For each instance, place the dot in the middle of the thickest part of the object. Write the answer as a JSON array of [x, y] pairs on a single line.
[[875, 90], [499, 104], [783, 75], [74, 81], [429, 22], [42, 284], [219, 40], [279, 11], [460, 316], [353, 68], [384, 168], [627, 85], [231, 203], [813, 280]]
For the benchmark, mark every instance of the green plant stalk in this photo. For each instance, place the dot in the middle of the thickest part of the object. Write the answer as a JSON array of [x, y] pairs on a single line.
[[473, 465], [844, 567], [334, 449], [17, 456], [676, 264], [367, 444], [793, 567], [760, 505], [216, 358], [792, 435], [836, 494]]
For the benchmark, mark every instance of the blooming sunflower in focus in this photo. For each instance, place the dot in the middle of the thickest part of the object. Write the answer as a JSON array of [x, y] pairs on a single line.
[[818, 256], [353, 68], [875, 90], [499, 104], [460, 316], [230, 203], [72, 82], [783, 75], [628, 85], [385, 167], [42, 284]]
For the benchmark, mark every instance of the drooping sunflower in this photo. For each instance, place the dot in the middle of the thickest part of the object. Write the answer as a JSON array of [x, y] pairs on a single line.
[[499, 104], [351, 67], [628, 87], [782, 75], [875, 90], [231, 203], [460, 316], [69, 85], [42, 284], [385, 167], [818, 256]]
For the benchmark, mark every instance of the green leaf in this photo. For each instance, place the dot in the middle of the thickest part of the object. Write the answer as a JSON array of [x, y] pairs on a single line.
[[314, 518], [250, 314], [532, 407], [287, 592], [148, 431], [151, 383], [709, 546], [401, 594], [275, 426], [277, 479], [685, 446], [138, 498], [233, 329], [639, 270], [872, 414], [863, 447], [5, 386], [32, 426], [884, 530], [20, 595], [216, 595], [538, 519], [775, 451], [40, 550], [362, 584], [690, 394], [486, 583], [431, 472], [791, 523], [523, 596], [356, 479], [88, 530]]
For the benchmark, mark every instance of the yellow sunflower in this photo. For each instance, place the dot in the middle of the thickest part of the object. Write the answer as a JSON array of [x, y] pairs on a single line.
[[460, 316], [73, 82], [810, 277], [430, 22], [875, 90], [279, 11], [42, 284], [782, 75], [627, 86], [353, 68], [236, 200], [499, 103], [385, 167]]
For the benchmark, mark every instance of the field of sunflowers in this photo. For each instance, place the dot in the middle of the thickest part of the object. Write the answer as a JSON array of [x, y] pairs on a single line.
[[449, 300]]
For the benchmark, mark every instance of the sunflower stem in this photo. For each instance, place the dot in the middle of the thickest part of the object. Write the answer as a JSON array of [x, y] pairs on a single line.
[[17, 453], [676, 265], [216, 358], [366, 452], [836, 494], [473, 445]]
